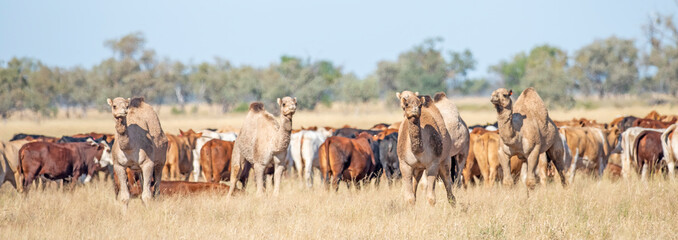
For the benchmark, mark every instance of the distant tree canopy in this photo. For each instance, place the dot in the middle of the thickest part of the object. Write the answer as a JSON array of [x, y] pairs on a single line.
[[602, 68]]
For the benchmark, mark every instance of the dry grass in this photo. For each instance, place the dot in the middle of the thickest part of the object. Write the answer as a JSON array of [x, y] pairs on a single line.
[[590, 209]]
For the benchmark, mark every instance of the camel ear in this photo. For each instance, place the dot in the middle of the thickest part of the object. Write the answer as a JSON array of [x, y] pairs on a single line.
[[416, 94], [398, 95], [511, 92], [279, 102], [295, 100], [110, 103]]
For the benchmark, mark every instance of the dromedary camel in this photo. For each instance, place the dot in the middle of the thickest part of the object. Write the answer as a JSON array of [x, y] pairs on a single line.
[[526, 131], [263, 141], [140, 144], [423, 144], [457, 129]]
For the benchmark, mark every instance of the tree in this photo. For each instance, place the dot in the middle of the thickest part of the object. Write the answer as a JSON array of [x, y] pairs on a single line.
[[460, 64], [662, 33], [606, 66]]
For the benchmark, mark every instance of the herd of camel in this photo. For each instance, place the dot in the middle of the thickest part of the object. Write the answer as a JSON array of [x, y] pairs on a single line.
[[431, 142]]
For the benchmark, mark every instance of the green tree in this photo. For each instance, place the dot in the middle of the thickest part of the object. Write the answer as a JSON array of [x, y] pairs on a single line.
[[662, 33], [606, 66]]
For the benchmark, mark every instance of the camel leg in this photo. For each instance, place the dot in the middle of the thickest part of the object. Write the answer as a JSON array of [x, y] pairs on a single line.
[[123, 190], [157, 176], [259, 177], [541, 168], [417, 179], [431, 175], [555, 153], [277, 177], [506, 167], [532, 161], [407, 191], [447, 181], [146, 177], [461, 164]]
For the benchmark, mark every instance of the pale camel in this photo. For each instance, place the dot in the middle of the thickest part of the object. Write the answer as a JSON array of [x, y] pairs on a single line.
[[526, 132], [423, 144], [9, 163], [458, 131], [670, 147], [140, 144], [263, 141]]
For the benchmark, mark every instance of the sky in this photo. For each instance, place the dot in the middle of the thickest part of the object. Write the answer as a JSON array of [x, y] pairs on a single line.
[[353, 34]]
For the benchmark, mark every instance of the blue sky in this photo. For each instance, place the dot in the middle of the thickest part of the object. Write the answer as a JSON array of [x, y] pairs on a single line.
[[353, 34]]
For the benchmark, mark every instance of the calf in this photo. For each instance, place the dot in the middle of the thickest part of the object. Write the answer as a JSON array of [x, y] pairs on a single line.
[[59, 161], [388, 157]]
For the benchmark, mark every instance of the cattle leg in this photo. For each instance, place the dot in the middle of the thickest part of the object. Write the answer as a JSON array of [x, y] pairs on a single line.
[[447, 181], [146, 178], [506, 167], [308, 174], [123, 193], [573, 165], [18, 177], [671, 167], [408, 194], [643, 172]]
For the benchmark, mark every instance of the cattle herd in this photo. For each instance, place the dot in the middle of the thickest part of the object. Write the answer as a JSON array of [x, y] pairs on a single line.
[[430, 143]]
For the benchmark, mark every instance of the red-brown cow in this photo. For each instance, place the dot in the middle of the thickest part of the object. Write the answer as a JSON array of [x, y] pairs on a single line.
[[649, 152], [59, 160], [215, 162], [651, 123], [351, 160]]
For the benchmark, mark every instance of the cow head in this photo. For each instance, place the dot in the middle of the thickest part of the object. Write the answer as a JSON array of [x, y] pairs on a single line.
[[106, 157], [190, 136]]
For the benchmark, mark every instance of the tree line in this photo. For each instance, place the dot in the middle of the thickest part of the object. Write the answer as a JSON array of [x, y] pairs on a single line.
[[602, 68]]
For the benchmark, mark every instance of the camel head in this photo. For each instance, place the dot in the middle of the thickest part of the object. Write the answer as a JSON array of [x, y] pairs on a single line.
[[411, 103], [501, 98], [288, 106], [119, 107]]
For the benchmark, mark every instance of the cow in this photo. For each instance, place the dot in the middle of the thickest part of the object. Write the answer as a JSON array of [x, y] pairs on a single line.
[[388, 157], [215, 161], [61, 160], [649, 152], [303, 152], [629, 147], [205, 136], [651, 123], [351, 160], [29, 137]]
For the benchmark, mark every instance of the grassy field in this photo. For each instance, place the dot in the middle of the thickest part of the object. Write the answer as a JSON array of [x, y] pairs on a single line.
[[588, 209]]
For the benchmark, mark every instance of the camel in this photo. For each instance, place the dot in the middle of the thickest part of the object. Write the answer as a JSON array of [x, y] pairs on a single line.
[[670, 148], [526, 131], [140, 144], [9, 163], [456, 128], [423, 144], [263, 141]]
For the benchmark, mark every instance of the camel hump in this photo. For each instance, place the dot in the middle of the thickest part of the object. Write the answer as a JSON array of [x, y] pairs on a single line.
[[136, 102], [439, 96], [530, 102], [256, 107]]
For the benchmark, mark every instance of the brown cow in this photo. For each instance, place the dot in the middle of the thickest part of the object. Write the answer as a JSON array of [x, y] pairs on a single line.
[[649, 152], [169, 188], [179, 163], [651, 123], [351, 160], [215, 161], [59, 160]]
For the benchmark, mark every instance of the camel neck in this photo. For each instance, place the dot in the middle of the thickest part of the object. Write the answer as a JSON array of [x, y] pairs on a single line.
[[283, 133], [122, 137], [505, 124], [414, 131]]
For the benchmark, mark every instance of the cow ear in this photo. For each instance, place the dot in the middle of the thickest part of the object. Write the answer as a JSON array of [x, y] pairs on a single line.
[[198, 135], [279, 102], [110, 102], [181, 132]]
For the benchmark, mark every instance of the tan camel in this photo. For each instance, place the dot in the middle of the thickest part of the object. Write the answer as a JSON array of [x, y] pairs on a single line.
[[9, 163], [526, 131], [263, 141], [423, 144], [140, 144], [456, 128]]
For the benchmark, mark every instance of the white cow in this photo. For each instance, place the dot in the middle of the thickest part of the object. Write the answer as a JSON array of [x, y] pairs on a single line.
[[303, 152], [207, 135]]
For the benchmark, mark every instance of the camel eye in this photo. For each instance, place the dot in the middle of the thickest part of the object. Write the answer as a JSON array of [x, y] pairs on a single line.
[[114, 107]]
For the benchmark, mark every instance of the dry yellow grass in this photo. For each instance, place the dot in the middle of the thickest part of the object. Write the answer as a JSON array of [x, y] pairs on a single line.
[[587, 210]]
